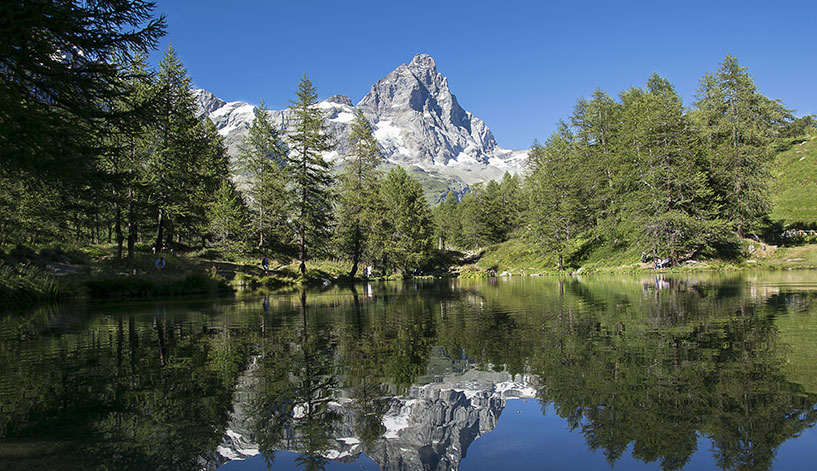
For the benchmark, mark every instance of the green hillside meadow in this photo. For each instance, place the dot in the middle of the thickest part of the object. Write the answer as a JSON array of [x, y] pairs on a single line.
[[794, 193]]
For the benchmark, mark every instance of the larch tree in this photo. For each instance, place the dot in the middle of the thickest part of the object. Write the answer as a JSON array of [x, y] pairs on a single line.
[[408, 229], [738, 125], [359, 190], [311, 174], [557, 207], [187, 160], [227, 219], [61, 64], [262, 170], [668, 202]]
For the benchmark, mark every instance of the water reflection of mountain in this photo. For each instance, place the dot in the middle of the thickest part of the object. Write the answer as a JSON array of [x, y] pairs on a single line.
[[430, 427], [642, 366]]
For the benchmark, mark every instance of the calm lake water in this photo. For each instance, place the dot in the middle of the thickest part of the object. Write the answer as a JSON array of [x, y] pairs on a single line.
[[689, 372]]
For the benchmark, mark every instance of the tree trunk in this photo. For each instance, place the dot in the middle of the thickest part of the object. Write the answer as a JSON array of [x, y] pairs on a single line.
[[161, 231], [356, 254], [120, 237], [260, 228], [302, 248], [132, 226]]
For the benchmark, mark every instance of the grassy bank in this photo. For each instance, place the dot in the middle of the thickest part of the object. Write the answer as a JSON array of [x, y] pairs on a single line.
[[59, 272], [63, 272], [515, 257]]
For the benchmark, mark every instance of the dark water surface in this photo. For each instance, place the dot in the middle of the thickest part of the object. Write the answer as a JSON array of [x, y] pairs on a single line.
[[687, 372]]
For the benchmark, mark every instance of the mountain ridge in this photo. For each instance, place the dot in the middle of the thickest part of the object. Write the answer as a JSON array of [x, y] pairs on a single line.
[[415, 117]]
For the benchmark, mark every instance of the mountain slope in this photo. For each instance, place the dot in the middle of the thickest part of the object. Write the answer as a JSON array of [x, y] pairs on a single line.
[[417, 120]]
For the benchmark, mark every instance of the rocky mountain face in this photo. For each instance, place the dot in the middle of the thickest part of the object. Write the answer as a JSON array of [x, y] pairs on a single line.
[[430, 428], [417, 120]]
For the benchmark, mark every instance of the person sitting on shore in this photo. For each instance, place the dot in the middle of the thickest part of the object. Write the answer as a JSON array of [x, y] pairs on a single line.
[[265, 265], [160, 264]]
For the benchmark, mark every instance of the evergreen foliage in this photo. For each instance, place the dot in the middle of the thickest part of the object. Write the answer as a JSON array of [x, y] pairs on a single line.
[[263, 168], [187, 161], [446, 221], [557, 209], [227, 216], [405, 231], [308, 137], [359, 191], [739, 126]]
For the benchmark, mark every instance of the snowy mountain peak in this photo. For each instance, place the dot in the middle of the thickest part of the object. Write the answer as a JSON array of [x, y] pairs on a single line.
[[340, 99], [423, 61], [418, 122]]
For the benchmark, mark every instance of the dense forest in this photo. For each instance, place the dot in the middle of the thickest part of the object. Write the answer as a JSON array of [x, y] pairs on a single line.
[[98, 148]]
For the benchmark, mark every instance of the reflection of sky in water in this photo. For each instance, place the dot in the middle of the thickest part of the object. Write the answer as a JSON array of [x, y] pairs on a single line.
[[525, 439]]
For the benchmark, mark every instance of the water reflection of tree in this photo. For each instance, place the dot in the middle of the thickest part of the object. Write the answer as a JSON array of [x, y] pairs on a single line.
[[654, 370], [364, 374], [296, 384], [115, 392]]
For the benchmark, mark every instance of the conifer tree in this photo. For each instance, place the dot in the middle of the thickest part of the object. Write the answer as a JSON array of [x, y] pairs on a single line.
[[595, 124], [557, 204], [666, 198], [61, 62], [407, 229], [308, 137], [475, 220], [738, 125], [124, 157], [187, 160], [446, 218], [262, 167], [227, 219], [359, 190]]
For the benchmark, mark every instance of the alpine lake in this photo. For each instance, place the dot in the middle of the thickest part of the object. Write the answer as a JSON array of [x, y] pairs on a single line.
[[699, 371]]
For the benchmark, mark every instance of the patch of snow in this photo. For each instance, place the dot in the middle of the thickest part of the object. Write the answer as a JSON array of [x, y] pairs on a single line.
[[387, 132], [227, 453], [336, 455], [343, 117], [393, 424]]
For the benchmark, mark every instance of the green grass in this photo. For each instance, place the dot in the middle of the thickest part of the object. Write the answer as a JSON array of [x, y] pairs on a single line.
[[804, 256], [516, 257], [28, 283], [794, 191]]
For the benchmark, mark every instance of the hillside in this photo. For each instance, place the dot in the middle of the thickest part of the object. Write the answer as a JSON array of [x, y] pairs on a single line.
[[794, 192], [794, 199]]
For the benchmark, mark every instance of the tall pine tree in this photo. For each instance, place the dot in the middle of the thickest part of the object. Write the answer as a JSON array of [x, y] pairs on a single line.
[[359, 190], [738, 125], [311, 175], [407, 227], [262, 168]]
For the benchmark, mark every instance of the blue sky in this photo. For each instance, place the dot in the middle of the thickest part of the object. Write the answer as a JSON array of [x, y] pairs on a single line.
[[517, 65]]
